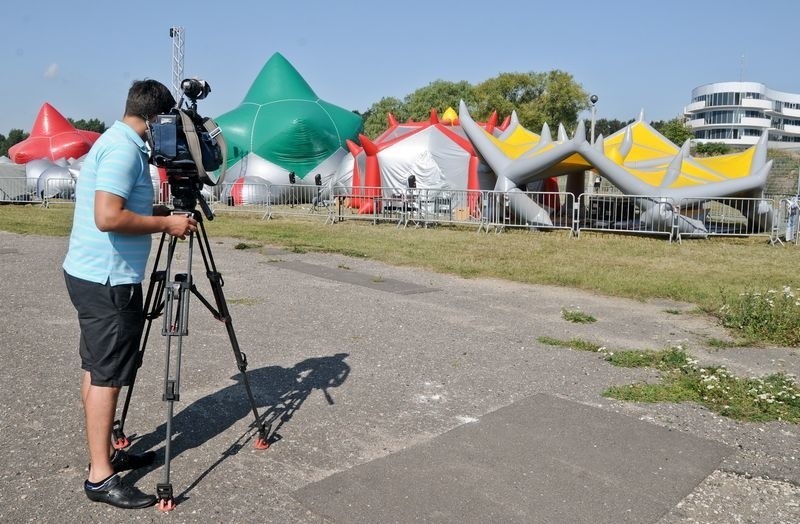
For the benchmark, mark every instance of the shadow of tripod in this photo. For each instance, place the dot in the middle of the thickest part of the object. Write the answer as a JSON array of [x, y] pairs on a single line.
[[281, 390]]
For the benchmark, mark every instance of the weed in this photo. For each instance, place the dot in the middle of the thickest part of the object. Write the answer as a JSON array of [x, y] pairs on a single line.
[[577, 344], [576, 316], [245, 245], [774, 397], [770, 315], [244, 301]]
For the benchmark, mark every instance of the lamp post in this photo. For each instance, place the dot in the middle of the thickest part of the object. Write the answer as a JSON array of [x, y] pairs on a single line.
[[593, 99]]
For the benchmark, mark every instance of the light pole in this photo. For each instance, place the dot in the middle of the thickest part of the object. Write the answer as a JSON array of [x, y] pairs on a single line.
[[593, 99]]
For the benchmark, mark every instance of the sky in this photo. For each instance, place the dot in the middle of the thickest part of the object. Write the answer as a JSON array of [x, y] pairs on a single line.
[[81, 56]]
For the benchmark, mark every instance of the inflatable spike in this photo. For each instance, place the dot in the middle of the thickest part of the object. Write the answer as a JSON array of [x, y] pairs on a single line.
[[599, 143], [434, 116], [450, 117], [369, 146], [627, 142], [674, 169], [492, 119], [641, 115], [505, 124], [354, 148], [580, 133], [546, 138], [392, 120], [562, 134], [760, 154]]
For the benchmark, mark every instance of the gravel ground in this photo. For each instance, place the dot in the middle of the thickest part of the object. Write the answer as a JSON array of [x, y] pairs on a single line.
[[351, 366]]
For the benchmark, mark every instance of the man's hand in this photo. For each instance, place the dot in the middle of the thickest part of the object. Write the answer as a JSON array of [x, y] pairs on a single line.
[[180, 225]]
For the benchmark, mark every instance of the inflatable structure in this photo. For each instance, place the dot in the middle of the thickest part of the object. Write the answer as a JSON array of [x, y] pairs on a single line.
[[283, 127], [436, 154], [52, 137], [637, 160]]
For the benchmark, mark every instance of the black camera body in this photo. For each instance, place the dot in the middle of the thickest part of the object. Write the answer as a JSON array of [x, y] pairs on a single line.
[[171, 150], [189, 147]]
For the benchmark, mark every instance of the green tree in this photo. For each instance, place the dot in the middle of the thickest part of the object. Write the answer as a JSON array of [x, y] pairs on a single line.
[[552, 97], [606, 127], [376, 119], [15, 136], [712, 148], [93, 124], [438, 95], [675, 130]]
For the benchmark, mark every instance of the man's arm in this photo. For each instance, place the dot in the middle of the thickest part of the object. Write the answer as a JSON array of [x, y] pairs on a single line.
[[110, 215]]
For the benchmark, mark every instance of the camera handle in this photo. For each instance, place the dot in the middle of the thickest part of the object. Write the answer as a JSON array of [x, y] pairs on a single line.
[[174, 290]]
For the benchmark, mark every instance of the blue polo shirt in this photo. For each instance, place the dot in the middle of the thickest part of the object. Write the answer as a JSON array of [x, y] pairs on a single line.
[[117, 163]]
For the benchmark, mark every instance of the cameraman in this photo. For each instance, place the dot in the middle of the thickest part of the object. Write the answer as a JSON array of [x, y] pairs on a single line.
[[104, 267]]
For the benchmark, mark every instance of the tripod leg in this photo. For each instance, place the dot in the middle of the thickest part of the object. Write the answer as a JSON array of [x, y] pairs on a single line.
[[176, 318], [155, 289], [222, 314]]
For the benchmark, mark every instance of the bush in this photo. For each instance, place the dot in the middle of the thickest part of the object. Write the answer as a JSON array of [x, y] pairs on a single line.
[[771, 316]]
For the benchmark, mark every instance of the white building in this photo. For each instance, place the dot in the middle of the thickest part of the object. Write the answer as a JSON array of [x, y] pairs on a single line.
[[737, 113]]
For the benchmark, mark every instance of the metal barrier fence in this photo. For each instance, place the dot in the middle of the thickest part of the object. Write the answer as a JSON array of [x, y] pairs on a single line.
[[18, 189], [777, 218], [619, 213], [514, 210], [732, 216], [56, 191], [418, 207]]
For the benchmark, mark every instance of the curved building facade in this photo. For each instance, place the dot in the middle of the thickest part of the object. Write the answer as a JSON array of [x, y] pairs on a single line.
[[738, 113]]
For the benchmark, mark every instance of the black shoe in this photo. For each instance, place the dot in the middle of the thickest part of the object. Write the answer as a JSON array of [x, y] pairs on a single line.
[[123, 461], [120, 495]]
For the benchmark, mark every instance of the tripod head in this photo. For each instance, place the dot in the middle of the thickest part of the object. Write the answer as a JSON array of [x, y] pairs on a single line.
[[186, 186]]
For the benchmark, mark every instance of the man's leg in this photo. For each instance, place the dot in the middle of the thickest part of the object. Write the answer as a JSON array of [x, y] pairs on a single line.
[[99, 406]]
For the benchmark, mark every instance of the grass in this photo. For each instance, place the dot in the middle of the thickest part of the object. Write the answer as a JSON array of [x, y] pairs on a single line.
[[577, 344], [709, 273], [577, 317], [774, 397]]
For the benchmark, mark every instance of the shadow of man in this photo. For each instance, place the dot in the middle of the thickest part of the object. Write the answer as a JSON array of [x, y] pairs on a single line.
[[281, 390]]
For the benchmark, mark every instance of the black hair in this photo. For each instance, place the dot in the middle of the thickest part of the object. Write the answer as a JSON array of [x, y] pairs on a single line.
[[147, 98]]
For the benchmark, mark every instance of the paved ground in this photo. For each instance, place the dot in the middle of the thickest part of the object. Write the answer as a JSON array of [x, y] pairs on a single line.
[[373, 372]]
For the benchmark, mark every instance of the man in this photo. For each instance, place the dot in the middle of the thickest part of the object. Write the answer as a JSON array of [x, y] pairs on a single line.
[[104, 267]]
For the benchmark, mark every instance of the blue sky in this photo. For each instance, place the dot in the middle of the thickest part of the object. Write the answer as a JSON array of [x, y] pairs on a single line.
[[81, 56]]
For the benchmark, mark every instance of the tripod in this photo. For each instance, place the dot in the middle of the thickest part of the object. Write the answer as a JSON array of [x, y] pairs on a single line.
[[174, 288]]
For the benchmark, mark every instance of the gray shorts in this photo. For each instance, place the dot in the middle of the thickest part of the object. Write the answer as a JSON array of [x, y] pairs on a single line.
[[111, 320]]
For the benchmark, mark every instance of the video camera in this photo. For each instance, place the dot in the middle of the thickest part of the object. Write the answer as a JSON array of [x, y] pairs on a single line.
[[190, 147]]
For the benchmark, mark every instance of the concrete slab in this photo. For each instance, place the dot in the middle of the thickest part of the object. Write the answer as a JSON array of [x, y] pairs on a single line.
[[347, 276], [540, 459]]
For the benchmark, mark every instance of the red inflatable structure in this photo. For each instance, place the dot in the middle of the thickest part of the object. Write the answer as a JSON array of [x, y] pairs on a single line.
[[52, 137], [435, 151]]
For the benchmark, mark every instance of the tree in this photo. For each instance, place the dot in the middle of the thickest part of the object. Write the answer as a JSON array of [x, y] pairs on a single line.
[[91, 125], [438, 95], [675, 130], [15, 136], [375, 118], [712, 148], [606, 127], [552, 97]]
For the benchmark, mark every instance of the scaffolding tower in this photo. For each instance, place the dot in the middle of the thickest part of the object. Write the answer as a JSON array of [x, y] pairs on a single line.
[[176, 34]]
